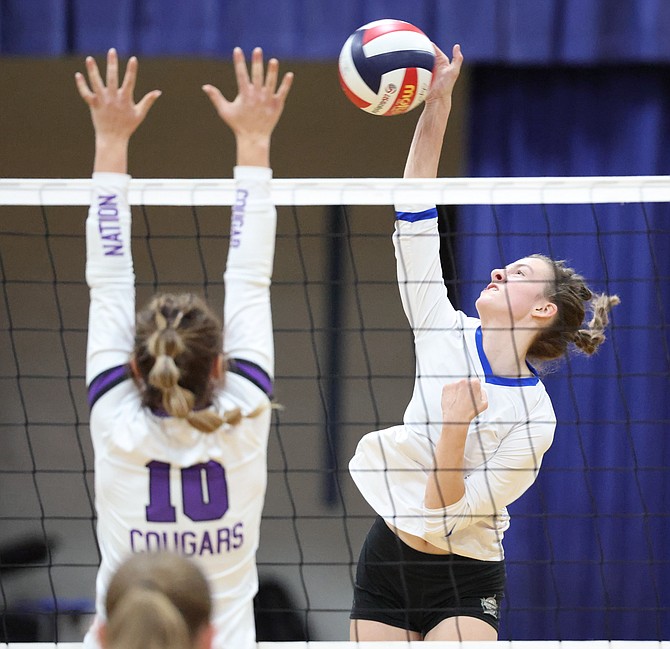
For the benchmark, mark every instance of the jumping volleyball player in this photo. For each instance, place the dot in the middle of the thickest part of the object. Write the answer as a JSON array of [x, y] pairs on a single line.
[[475, 430], [179, 420]]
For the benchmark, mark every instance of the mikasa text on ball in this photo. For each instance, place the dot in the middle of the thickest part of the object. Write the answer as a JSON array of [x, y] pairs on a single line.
[[386, 67]]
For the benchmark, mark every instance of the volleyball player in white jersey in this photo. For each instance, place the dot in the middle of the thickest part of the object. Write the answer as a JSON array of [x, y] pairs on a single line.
[[179, 420], [475, 430]]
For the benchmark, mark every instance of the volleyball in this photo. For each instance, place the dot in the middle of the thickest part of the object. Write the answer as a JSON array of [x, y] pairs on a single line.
[[386, 67]]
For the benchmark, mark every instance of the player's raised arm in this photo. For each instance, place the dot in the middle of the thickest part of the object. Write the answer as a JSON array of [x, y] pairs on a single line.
[[109, 266], [416, 238], [426, 147], [252, 116]]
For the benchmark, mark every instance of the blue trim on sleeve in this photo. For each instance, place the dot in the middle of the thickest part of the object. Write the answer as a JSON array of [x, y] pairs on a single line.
[[412, 217], [502, 380]]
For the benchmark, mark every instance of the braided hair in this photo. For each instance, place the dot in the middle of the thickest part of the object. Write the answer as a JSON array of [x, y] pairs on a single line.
[[177, 342]]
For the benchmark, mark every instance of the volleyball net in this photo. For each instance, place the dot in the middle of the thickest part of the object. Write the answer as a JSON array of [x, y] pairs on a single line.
[[512, 644], [587, 549]]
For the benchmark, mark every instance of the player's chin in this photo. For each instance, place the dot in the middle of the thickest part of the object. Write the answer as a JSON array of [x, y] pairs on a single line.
[[481, 301], [484, 297], [486, 303]]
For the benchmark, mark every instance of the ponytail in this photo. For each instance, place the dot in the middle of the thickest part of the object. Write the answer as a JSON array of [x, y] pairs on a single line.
[[573, 298], [177, 341], [588, 340]]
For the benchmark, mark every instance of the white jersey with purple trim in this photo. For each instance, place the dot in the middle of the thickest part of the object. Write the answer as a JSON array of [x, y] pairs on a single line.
[[503, 451], [160, 484]]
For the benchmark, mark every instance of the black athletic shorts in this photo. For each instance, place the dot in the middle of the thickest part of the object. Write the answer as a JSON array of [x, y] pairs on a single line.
[[412, 590]]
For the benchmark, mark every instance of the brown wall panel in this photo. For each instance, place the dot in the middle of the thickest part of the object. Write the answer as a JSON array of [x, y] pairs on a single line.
[[47, 131]]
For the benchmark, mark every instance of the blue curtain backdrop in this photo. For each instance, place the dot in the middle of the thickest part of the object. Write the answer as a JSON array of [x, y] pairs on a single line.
[[596, 521], [504, 31], [559, 87]]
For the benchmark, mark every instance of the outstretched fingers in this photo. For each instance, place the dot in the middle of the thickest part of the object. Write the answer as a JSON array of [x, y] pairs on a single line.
[[112, 70], [216, 97], [128, 88], [84, 91], [114, 112], [286, 83], [240, 67], [130, 77], [256, 108], [271, 75], [257, 67], [94, 77], [143, 106]]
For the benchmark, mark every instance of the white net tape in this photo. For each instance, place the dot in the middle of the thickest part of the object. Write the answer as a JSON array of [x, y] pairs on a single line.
[[356, 191], [518, 644]]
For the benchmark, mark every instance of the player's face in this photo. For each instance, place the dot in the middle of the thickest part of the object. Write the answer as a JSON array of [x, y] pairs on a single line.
[[516, 290]]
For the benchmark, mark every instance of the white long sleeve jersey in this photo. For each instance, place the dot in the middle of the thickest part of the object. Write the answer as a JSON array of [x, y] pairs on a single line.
[[160, 484], [504, 445]]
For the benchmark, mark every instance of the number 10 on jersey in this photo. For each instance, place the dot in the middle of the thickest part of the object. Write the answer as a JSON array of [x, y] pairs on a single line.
[[204, 492]]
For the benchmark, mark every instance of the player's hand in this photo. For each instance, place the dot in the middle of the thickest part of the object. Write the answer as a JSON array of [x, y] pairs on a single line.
[[114, 112], [462, 401], [259, 103], [445, 74]]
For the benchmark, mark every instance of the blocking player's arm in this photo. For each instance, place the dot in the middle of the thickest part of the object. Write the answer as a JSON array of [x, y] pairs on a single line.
[[247, 313], [109, 268], [252, 116], [111, 279]]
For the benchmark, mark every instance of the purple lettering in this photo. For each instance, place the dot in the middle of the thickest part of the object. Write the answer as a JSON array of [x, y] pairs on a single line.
[[159, 509], [201, 506], [108, 210], [152, 541], [189, 542], [188, 547], [206, 544], [238, 535], [134, 533], [237, 219], [223, 540], [104, 201]]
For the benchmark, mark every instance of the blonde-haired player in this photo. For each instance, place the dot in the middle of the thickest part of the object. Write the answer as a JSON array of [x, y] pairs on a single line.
[[180, 421]]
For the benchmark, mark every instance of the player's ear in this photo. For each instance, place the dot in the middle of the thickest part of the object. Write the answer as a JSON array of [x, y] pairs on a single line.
[[101, 632], [205, 637], [134, 368], [218, 368], [544, 313]]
